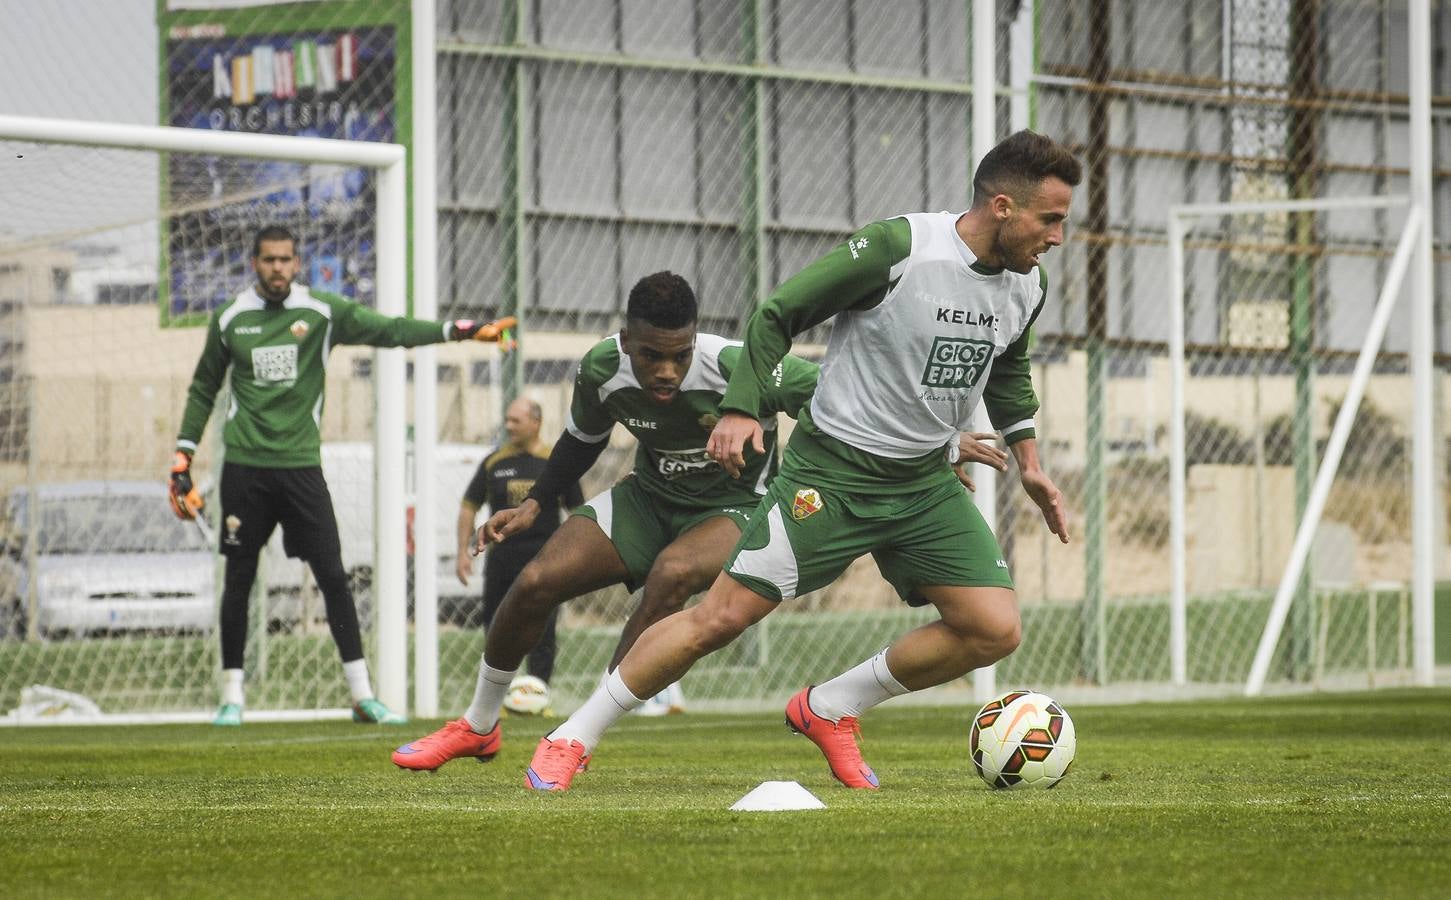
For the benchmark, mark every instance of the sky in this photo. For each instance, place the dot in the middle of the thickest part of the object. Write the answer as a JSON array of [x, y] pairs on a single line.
[[87, 59]]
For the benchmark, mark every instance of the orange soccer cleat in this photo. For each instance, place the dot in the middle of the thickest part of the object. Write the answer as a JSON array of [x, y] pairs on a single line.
[[452, 741], [555, 764], [837, 741]]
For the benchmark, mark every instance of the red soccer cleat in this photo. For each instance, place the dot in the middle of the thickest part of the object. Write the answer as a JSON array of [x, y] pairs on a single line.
[[555, 764], [452, 741], [837, 741]]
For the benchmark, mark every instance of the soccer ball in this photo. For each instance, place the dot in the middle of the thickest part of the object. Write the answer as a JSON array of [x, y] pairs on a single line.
[[528, 696], [1022, 739]]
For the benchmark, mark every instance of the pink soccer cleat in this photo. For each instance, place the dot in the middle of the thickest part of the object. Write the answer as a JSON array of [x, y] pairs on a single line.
[[837, 741], [452, 741], [555, 764]]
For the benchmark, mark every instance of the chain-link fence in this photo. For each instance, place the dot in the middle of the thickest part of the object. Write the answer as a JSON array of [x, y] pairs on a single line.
[[1210, 103], [584, 145]]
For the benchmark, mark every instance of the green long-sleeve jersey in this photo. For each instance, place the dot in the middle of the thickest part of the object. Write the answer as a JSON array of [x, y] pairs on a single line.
[[922, 333], [671, 462], [277, 353]]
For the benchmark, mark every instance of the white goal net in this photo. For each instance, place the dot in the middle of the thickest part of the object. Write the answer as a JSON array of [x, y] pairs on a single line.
[[581, 146], [111, 256]]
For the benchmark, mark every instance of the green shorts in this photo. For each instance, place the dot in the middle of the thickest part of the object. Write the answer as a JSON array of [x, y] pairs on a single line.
[[803, 536], [641, 525]]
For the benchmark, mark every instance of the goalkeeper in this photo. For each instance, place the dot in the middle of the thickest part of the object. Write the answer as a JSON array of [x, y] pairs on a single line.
[[275, 337]]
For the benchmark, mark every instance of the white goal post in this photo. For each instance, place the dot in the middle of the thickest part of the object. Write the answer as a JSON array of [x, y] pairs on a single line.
[[388, 160], [1181, 221]]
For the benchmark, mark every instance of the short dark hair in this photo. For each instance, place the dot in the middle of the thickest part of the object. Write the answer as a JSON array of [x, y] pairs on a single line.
[[1019, 164], [272, 233], [663, 299]]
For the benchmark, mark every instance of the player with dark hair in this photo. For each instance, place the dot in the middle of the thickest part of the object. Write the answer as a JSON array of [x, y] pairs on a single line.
[[502, 481], [665, 527], [275, 337], [931, 313]]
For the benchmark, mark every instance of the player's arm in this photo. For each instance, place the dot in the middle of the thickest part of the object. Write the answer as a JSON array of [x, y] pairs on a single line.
[[586, 434], [1011, 404], [357, 324], [570, 459], [464, 568], [856, 274], [1040, 487], [476, 495], [206, 380], [1008, 395]]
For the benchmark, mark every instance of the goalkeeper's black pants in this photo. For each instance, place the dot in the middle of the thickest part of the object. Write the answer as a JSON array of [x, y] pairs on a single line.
[[255, 501], [342, 615]]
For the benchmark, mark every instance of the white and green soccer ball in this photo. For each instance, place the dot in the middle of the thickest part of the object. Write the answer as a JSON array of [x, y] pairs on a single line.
[[528, 696], [1022, 739]]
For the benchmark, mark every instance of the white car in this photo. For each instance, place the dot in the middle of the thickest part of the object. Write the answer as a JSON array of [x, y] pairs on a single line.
[[108, 556], [348, 468]]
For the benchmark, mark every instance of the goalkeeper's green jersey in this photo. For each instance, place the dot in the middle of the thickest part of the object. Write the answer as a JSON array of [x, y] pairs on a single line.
[[921, 333], [671, 462], [277, 353]]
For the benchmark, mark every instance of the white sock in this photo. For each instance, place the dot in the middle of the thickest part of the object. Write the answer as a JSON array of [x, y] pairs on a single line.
[[599, 712], [856, 690], [489, 692], [232, 686], [358, 683]]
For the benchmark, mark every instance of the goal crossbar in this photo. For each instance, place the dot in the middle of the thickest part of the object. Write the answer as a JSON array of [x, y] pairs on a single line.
[[389, 161]]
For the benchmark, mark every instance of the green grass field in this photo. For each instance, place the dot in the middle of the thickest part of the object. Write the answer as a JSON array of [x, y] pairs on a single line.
[[1314, 796]]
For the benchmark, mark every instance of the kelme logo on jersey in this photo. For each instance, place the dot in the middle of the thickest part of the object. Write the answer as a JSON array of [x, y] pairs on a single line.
[[956, 362], [675, 464], [807, 503]]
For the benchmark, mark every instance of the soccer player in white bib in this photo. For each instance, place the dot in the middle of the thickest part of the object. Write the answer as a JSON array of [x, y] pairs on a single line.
[[930, 316], [665, 528]]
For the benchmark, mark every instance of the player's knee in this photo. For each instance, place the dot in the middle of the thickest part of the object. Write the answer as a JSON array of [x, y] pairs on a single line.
[[1000, 635], [670, 583], [716, 625], [532, 589]]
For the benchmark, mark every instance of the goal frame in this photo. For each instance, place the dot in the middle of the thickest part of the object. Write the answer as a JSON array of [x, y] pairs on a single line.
[[389, 161], [1181, 221]]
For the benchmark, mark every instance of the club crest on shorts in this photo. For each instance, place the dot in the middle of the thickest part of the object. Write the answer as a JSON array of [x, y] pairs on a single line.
[[299, 329], [232, 523], [807, 503]]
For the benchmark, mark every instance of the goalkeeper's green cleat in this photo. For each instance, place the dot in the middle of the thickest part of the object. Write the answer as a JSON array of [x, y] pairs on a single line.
[[230, 714], [372, 712]]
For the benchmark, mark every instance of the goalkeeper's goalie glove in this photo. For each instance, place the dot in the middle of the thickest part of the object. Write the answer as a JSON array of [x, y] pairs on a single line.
[[489, 332], [186, 501]]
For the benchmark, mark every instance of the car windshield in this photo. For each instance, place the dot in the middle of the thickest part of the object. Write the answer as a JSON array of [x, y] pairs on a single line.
[[113, 524]]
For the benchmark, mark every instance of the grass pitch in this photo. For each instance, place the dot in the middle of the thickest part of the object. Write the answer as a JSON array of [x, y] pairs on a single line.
[[1312, 796]]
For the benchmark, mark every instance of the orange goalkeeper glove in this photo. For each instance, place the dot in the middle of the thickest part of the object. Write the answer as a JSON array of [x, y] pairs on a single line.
[[186, 502], [489, 332]]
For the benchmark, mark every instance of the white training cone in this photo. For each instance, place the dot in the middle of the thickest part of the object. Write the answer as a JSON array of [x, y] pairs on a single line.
[[777, 795]]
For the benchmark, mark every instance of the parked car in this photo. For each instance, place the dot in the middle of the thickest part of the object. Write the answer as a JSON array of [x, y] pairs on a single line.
[[348, 468], [108, 556]]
